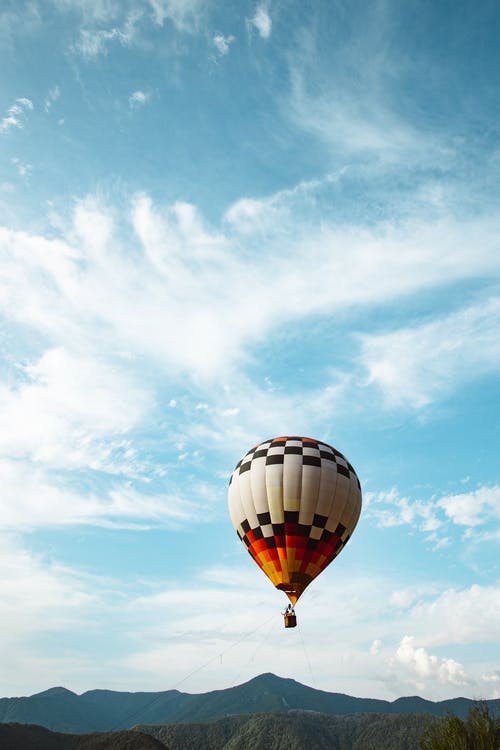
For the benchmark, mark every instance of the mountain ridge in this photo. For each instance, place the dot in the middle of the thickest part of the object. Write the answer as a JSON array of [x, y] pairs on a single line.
[[59, 709]]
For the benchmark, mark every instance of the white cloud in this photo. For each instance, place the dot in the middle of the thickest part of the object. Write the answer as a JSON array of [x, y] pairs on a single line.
[[94, 42], [70, 410], [223, 43], [254, 215], [30, 588], [492, 676], [355, 109], [185, 15], [91, 10], [52, 96], [389, 509], [472, 508], [462, 616], [415, 366], [402, 599], [93, 279], [426, 667], [350, 124], [16, 115], [138, 99], [23, 168], [209, 642], [33, 497], [262, 21]]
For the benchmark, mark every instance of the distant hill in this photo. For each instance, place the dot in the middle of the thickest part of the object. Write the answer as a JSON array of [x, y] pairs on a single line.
[[100, 710], [295, 730], [28, 737]]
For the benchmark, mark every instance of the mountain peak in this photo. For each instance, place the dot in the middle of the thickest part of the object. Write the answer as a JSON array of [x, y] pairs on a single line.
[[54, 692]]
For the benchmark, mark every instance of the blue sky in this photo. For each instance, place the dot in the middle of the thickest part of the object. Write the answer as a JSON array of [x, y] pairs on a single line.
[[221, 222]]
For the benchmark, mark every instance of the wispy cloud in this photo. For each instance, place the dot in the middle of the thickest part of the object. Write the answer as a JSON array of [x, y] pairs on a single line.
[[180, 258], [470, 509], [208, 632], [67, 407], [52, 96], [34, 497], [185, 15], [415, 366], [222, 43], [389, 509], [16, 114], [261, 21], [23, 169], [138, 99], [91, 10], [94, 42]]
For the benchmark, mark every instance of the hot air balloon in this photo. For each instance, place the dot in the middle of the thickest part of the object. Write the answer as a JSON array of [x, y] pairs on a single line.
[[294, 503]]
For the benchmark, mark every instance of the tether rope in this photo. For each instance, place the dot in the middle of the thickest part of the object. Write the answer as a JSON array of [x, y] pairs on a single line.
[[157, 698], [252, 656], [306, 655]]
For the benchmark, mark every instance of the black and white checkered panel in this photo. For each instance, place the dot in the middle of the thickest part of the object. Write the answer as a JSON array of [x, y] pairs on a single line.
[[339, 486], [258, 483], [236, 510], [280, 478], [247, 498]]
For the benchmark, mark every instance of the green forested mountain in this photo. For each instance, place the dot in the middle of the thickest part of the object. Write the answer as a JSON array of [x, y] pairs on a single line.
[[293, 730], [100, 710], [30, 737], [296, 730]]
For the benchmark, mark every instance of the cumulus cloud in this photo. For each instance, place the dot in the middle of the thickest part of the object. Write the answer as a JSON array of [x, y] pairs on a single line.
[[16, 115], [468, 615], [425, 667], [261, 21], [472, 508]]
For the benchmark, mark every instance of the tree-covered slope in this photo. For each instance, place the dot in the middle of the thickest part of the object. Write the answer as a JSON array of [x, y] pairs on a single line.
[[295, 730], [30, 737]]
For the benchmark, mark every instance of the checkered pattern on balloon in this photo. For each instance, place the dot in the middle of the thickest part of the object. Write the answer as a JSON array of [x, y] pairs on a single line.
[[294, 503]]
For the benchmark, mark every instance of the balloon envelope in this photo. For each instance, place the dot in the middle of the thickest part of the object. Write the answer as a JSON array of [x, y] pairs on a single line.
[[294, 503]]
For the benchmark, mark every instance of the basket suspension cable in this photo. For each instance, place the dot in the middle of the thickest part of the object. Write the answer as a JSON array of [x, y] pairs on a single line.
[[306, 655], [259, 646], [218, 655]]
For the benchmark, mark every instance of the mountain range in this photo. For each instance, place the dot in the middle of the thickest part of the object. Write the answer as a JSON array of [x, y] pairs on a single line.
[[62, 710]]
